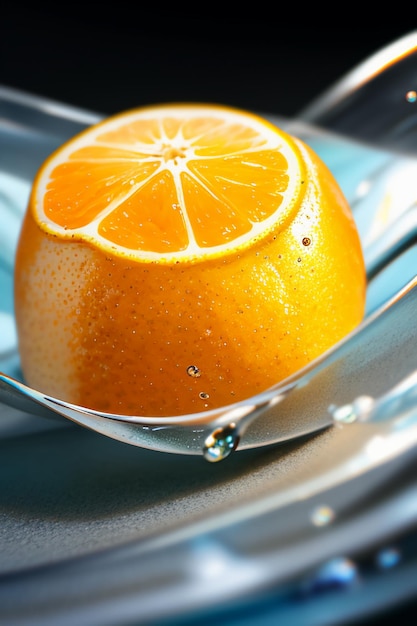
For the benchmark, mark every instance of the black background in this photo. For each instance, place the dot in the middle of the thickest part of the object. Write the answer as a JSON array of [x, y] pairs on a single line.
[[108, 58]]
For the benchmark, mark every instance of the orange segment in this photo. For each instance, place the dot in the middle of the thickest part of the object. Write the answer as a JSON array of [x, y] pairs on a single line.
[[178, 258]]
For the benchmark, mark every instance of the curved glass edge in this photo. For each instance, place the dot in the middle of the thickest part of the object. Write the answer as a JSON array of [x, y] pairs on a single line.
[[376, 101]]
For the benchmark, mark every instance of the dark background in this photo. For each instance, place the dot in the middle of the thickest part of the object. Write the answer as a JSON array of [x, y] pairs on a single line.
[[110, 57]]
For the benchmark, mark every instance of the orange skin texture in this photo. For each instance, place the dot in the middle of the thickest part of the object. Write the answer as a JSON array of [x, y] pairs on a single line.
[[120, 336]]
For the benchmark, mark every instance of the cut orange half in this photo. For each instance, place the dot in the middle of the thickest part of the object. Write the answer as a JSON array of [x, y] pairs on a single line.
[[179, 258], [171, 182]]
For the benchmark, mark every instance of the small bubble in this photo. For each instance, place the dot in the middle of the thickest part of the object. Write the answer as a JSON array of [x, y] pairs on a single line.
[[193, 371], [345, 414], [411, 96], [306, 241], [337, 573], [203, 395], [360, 408], [322, 515], [388, 557], [363, 188]]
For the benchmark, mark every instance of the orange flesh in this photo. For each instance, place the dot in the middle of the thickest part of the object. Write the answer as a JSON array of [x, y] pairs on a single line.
[[151, 206]]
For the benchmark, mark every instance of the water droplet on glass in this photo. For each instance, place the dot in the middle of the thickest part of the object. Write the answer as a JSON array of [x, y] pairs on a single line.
[[411, 96], [221, 443], [193, 371], [388, 557], [322, 515], [360, 409], [363, 188], [338, 573], [345, 414]]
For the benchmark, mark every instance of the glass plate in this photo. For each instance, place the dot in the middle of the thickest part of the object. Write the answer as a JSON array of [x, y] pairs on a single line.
[[95, 531], [379, 187]]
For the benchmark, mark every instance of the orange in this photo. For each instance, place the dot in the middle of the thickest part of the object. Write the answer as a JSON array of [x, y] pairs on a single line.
[[179, 258]]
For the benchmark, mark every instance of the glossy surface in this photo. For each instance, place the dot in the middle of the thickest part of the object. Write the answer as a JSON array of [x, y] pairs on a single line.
[[93, 531]]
